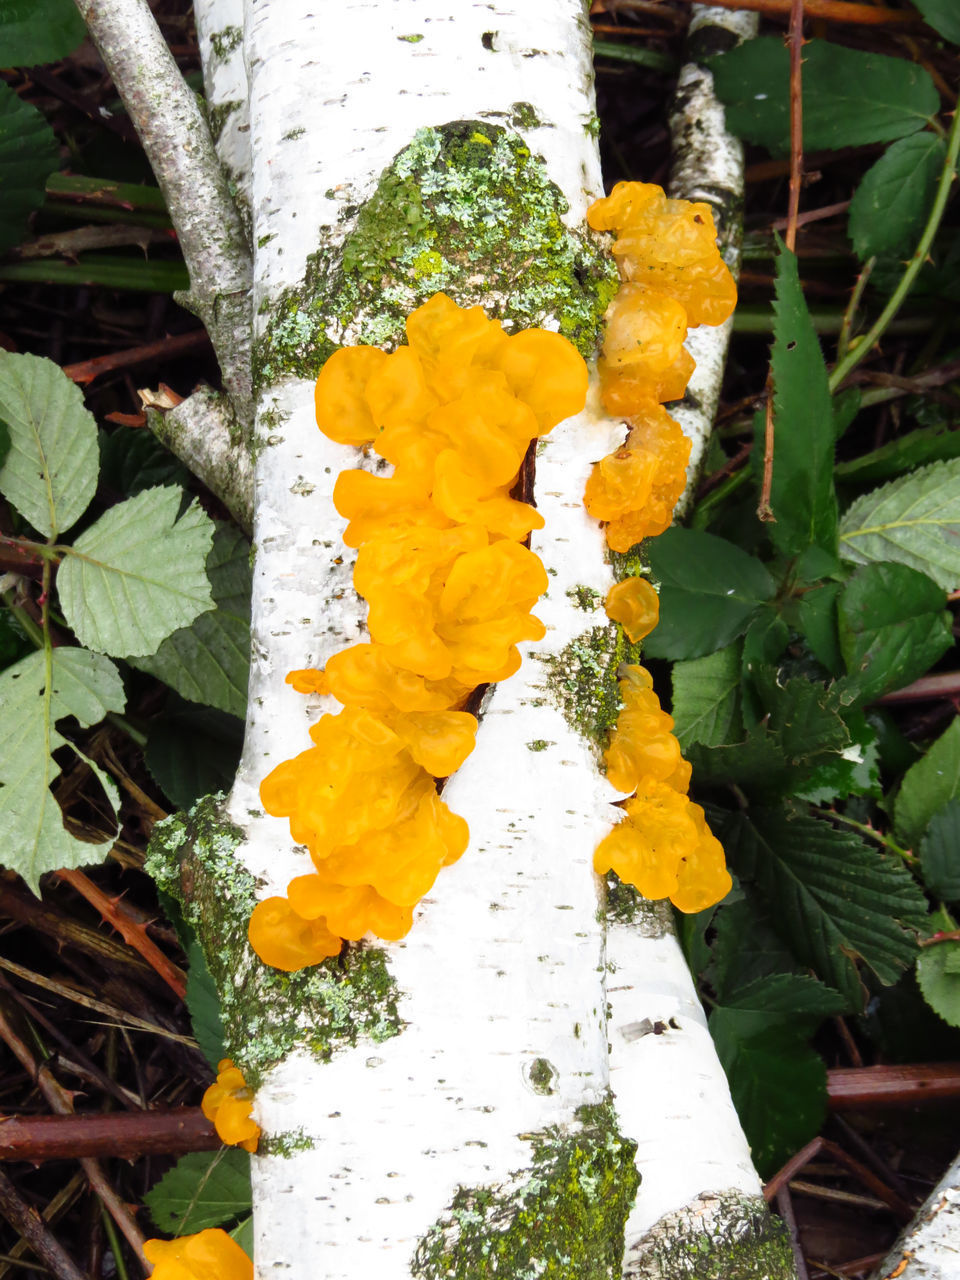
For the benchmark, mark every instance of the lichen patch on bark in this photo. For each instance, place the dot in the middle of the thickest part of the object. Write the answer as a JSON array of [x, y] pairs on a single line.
[[467, 209]]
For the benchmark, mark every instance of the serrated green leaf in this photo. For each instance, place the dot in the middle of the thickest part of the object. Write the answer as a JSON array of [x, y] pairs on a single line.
[[243, 1234], [204, 1189], [193, 752], [802, 494], [705, 697], [893, 626], [208, 662], [943, 16], [786, 995], [778, 1086], [138, 574], [132, 460], [914, 521], [709, 591], [850, 97], [916, 449], [35, 31], [834, 898], [802, 727], [928, 786], [84, 685], [28, 155], [746, 945], [50, 473], [817, 622], [890, 206], [203, 1004], [940, 853], [939, 980]]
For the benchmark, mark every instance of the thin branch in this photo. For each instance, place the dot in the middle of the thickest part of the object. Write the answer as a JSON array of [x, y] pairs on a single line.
[[831, 10], [204, 436], [177, 141], [796, 122], [127, 1135]]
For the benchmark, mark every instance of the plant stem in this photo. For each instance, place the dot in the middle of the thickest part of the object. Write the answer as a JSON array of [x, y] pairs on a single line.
[[867, 343], [843, 342], [30, 627], [872, 834], [629, 53]]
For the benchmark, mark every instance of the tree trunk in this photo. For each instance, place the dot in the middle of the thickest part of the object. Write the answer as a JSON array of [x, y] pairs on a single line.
[[443, 1106]]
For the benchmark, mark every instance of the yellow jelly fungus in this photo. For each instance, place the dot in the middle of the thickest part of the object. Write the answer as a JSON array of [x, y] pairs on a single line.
[[673, 277], [635, 605], [228, 1103], [450, 590], [210, 1255]]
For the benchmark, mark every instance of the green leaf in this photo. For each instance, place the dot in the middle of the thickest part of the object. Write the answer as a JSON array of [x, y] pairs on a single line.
[[203, 1004], [928, 786], [940, 853], [14, 644], [850, 97], [943, 16], [193, 752], [50, 473], [208, 662], [35, 31], [834, 898], [801, 729], [132, 460], [746, 946], [84, 685], [855, 772], [914, 520], [705, 698], [802, 497], [915, 449], [893, 626], [788, 995], [243, 1234], [817, 622], [137, 574], [890, 207], [204, 1189], [28, 155], [778, 1085], [939, 980], [709, 591]]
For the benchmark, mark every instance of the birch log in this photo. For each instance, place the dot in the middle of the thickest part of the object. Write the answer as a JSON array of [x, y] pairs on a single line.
[[441, 1107]]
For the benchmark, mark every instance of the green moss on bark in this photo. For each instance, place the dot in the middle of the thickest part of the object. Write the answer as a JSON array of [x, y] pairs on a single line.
[[563, 1218], [265, 1012], [467, 209], [583, 679]]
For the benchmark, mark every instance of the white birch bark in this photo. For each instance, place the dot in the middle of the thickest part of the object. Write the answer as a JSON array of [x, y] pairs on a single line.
[[929, 1249], [220, 35], [502, 980]]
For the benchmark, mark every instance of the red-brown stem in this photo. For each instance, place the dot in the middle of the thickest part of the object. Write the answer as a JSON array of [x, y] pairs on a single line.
[[165, 349], [895, 1085], [860, 1171], [832, 10], [127, 1134], [795, 37], [133, 933]]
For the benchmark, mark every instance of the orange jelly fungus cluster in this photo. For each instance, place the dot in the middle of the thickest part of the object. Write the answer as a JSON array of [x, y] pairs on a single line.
[[674, 278], [449, 587], [228, 1103], [209, 1255]]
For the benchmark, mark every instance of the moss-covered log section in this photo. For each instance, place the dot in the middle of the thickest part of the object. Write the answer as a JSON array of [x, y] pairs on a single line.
[[563, 1219], [265, 1012], [467, 209]]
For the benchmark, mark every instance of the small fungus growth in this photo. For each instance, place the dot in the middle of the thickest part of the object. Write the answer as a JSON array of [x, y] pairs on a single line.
[[673, 277], [228, 1103], [207, 1255], [449, 585]]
